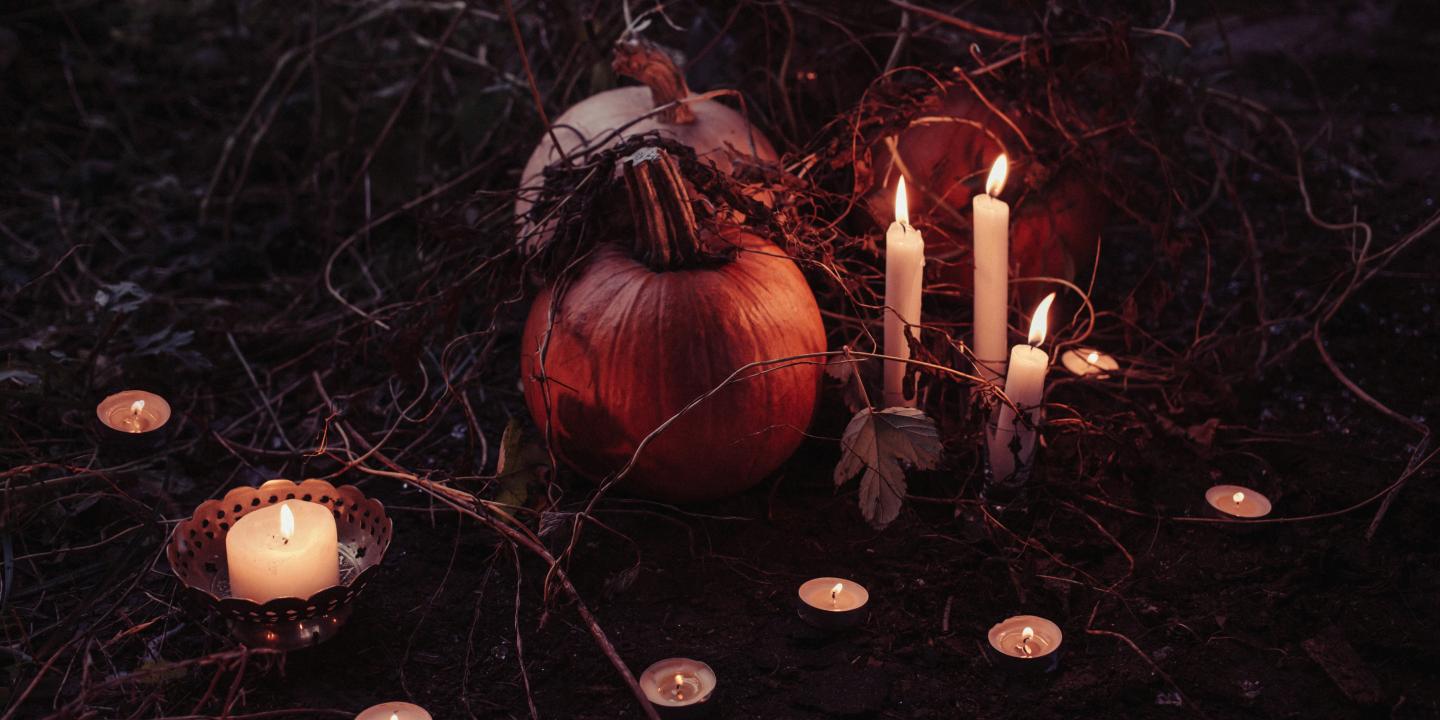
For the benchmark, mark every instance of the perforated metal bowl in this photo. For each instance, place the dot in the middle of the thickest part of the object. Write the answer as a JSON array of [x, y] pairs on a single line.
[[197, 557]]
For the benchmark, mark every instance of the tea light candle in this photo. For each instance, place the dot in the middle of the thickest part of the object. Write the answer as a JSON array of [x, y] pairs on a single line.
[[133, 412], [904, 277], [991, 249], [1234, 501], [285, 550], [678, 687], [394, 711], [1087, 362], [1024, 639], [830, 602], [1012, 445]]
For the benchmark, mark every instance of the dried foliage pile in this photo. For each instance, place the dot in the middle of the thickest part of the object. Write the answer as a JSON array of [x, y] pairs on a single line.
[[296, 222]]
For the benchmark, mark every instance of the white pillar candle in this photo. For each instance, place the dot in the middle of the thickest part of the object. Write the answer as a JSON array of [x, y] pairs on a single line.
[[991, 252], [904, 277], [394, 711], [285, 550], [1013, 443]]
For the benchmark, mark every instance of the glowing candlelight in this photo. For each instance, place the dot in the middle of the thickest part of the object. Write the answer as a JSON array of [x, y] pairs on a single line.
[[904, 278], [394, 711], [1233, 501], [285, 550], [991, 251], [133, 412], [1089, 363], [132, 423], [1013, 445], [830, 603], [677, 683], [1025, 638]]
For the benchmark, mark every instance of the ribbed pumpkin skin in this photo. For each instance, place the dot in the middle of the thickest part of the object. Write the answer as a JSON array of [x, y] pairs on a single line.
[[631, 347]]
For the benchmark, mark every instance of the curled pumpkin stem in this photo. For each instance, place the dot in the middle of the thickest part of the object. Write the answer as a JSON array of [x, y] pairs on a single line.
[[653, 66], [667, 235]]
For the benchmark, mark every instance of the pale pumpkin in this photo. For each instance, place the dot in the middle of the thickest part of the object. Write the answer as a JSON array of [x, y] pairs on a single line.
[[649, 326], [719, 135]]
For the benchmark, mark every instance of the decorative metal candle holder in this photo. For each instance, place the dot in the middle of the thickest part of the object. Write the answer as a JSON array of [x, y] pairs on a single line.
[[197, 557]]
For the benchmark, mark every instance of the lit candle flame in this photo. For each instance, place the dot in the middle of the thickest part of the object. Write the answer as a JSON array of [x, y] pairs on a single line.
[[136, 407], [1026, 636], [835, 592], [1238, 497], [679, 686], [902, 204], [996, 182], [1038, 322], [287, 522], [394, 716], [1092, 358]]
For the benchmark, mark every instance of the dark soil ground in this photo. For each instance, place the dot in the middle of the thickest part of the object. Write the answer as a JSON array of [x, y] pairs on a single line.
[[188, 189]]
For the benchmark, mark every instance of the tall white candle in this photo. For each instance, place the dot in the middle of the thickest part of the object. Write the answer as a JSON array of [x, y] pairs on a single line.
[[1012, 445], [904, 276], [285, 550], [991, 253]]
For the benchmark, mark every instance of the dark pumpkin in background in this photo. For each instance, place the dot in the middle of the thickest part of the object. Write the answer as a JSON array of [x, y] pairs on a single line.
[[1056, 213], [651, 324]]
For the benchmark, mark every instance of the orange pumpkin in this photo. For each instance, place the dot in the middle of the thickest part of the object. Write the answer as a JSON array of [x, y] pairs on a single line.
[[649, 326], [1056, 215]]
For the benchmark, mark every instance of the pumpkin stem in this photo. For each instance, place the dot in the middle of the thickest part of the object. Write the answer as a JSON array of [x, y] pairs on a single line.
[[652, 65], [666, 234]]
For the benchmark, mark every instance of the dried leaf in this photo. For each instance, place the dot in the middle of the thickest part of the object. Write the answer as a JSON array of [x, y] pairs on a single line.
[[1204, 433], [20, 377], [122, 297], [521, 463], [847, 371], [877, 445]]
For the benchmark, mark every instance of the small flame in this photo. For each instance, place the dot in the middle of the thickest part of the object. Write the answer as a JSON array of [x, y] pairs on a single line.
[[1026, 636], [1038, 322], [1238, 497], [835, 591], [136, 407], [679, 681], [1092, 358], [287, 521], [902, 204], [996, 182], [394, 716]]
